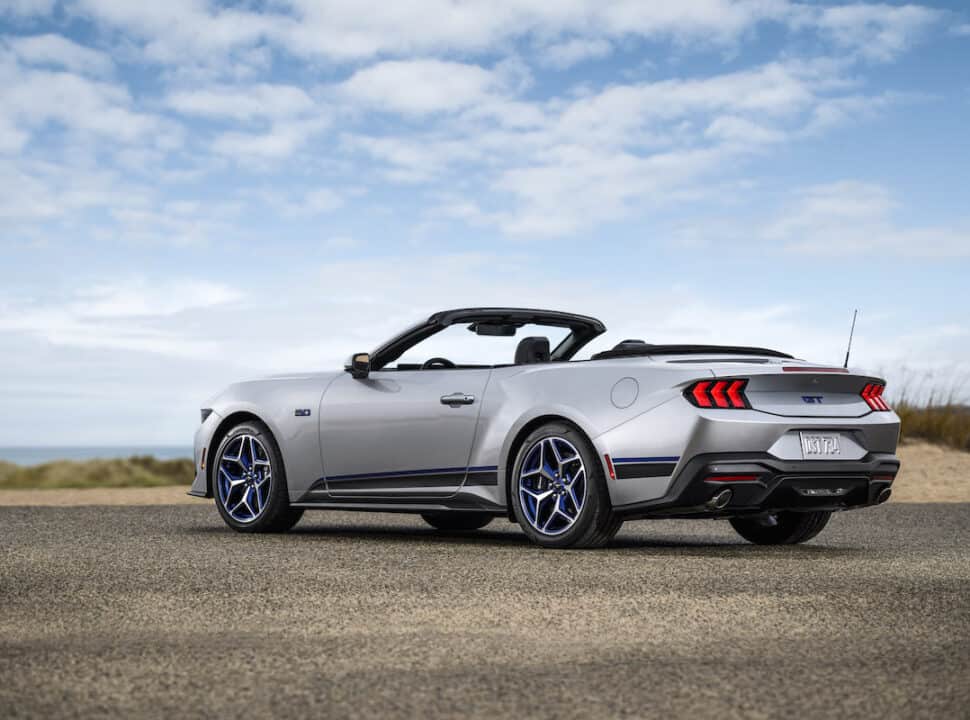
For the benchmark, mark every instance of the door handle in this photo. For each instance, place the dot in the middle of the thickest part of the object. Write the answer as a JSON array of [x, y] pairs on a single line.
[[457, 399]]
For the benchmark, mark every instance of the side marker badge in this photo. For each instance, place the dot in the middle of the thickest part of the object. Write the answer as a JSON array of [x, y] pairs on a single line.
[[302, 412]]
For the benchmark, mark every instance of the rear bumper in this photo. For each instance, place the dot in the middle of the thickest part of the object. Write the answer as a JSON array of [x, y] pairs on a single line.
[[778, 485]]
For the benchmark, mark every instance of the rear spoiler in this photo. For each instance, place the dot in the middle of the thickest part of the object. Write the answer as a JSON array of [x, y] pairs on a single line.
[[636, 349]]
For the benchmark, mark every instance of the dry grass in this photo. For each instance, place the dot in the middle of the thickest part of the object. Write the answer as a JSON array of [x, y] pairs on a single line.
[[944, 424], [130, 472]]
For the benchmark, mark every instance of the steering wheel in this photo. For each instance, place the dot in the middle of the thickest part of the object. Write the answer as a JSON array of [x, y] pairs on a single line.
[[438, 362]]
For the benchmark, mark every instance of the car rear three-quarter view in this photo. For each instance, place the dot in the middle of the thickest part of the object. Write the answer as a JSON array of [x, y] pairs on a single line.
[[484, 413]]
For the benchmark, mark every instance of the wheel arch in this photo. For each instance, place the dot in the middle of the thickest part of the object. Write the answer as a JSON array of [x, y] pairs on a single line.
[[228, 423], [516, 445]]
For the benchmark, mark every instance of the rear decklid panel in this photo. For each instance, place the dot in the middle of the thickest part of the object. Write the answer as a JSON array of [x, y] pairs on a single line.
[[807, 394], [791, 388]]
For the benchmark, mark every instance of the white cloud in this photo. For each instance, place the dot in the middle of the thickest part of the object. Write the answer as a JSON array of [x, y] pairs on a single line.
[[29, 98], [139, 298], [259, 100], [850, 217], [961, 30], [742, 132], [580, 161], [419, 87], [877, 32], [179, 31], [59, 51], [565, 54], [131, 316], [280, 141]]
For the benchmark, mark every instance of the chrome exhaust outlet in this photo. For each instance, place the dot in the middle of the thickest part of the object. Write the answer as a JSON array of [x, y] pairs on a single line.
[[883, 495], [720, 500]]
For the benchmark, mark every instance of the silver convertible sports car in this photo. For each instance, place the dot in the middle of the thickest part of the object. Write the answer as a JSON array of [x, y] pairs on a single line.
[[570, 449]]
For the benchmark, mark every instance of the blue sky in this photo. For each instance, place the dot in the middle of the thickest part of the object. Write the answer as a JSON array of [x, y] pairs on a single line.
[[195, 193]]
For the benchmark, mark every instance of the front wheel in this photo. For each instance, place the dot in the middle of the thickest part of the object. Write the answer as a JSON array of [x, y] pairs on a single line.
[[559, 494], [781, 528], [249, 482]]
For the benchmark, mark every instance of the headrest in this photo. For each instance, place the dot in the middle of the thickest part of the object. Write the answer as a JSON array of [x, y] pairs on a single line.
[[532, 350]]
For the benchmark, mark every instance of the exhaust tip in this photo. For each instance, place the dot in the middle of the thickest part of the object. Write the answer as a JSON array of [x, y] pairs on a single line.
[[884, 495], [720, 500]]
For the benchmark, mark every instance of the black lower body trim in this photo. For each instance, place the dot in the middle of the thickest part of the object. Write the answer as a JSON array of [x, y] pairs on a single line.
[[779, 485], [459, 503]]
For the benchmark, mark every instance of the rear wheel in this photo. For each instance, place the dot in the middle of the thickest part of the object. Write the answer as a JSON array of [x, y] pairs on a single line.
[[457, 521], [559, 494], [249, 482], [781, 528]]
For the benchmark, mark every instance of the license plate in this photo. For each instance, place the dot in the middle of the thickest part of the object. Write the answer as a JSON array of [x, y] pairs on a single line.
[[821, 446]]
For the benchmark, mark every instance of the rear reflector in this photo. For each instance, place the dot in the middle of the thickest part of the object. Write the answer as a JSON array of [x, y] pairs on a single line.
[[609, 467], [731, 478], [724, 394], [872, 394]]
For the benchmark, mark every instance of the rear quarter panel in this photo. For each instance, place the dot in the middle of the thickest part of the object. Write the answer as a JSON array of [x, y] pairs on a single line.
[[583, 394]]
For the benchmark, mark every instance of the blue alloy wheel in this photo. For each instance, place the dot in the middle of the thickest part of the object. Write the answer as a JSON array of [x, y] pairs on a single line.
[[552, 485], [245, 478]]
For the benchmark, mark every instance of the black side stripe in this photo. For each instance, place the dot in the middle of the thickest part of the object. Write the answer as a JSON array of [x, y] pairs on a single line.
[[482, 478], [644, 470], [450, 480], [447, 478]]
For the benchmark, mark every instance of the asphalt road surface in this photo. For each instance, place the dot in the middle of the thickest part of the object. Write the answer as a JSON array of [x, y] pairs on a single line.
[[162, 611]]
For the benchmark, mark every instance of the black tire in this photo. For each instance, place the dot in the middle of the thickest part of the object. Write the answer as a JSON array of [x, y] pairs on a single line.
[[457, 521], [783, 528], [276, 514], [597, 523]]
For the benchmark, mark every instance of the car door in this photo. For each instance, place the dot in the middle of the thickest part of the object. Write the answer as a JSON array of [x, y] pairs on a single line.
[[400, 433]]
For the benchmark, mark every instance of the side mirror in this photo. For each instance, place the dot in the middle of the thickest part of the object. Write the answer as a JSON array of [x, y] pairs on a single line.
[[359, 365]]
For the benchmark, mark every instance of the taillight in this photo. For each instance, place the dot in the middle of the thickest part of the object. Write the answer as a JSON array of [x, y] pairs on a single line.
[[724, 394], [872, 394]]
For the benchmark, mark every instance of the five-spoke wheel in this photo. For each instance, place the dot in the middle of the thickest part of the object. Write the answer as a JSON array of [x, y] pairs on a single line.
[[249, 481], [558, 493], [552, 485], [245, 478]]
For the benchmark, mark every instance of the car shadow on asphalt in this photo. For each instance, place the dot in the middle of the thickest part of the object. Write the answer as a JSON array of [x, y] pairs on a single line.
[[701, 547]]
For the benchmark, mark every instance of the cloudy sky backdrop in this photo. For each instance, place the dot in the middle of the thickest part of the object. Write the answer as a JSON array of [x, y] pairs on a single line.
[[194, 193]]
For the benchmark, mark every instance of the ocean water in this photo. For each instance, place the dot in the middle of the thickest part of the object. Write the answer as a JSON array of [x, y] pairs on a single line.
[[40, 455]]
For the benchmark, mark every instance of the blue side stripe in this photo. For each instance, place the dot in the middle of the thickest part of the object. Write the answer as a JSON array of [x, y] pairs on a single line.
[[405, 473], [622, 461]]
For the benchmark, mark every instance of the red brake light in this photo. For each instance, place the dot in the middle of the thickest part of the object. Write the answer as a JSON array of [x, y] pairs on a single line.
[[699, 393], [720, 399], [724, 394], [736, 394], [872, 394]]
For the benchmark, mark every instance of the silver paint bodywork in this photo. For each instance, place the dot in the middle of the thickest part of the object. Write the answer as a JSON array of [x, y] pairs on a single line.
[[378, 442]]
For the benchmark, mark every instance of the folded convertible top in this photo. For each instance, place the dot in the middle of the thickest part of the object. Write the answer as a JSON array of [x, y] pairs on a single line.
[[640, 349]]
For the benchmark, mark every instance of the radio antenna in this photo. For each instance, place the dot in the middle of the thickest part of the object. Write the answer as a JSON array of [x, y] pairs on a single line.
[[851, 333]]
